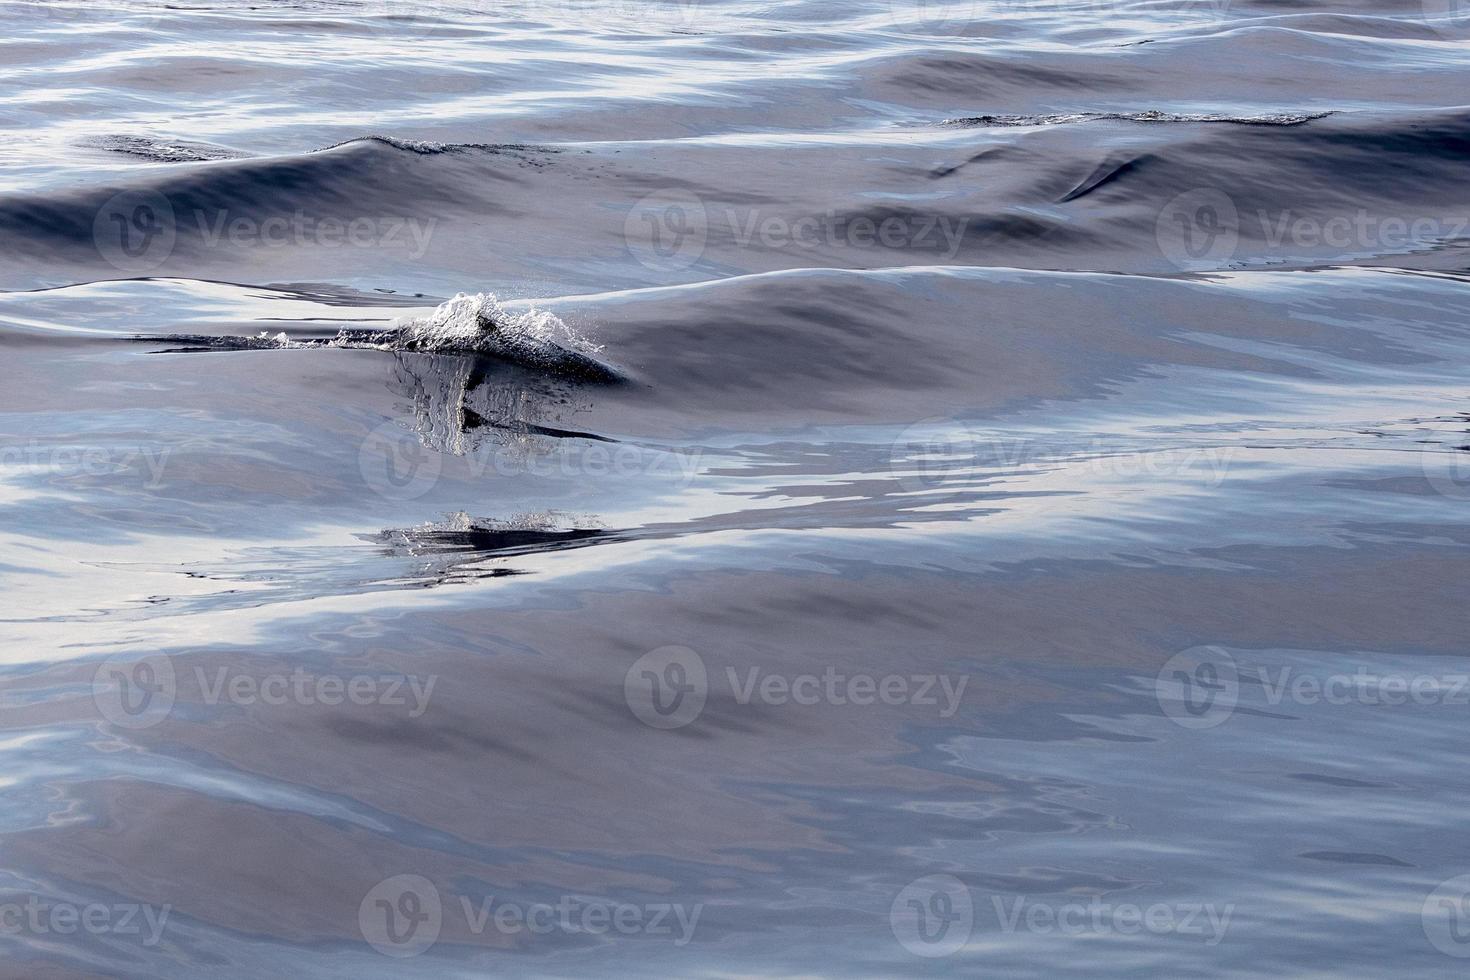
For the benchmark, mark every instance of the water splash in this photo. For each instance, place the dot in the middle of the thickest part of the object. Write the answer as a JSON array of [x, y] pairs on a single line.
[[477, 322]]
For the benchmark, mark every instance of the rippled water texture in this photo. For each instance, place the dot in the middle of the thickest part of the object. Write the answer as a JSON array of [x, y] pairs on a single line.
[[711, 488]]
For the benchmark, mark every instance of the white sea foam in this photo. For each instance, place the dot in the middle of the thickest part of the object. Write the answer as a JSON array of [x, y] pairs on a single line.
[[478, 322]]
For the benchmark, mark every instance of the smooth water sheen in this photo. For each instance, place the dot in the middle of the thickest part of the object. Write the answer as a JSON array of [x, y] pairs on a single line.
[[893, 488]]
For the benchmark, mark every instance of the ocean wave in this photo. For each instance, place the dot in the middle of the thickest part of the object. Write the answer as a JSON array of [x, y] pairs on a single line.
[[1043, 196], [435, 148]]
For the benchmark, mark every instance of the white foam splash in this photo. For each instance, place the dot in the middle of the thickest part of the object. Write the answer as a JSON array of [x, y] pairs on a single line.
[[473, 321]]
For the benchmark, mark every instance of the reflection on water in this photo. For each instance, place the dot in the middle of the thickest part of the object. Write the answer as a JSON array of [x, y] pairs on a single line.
[[460, 403]]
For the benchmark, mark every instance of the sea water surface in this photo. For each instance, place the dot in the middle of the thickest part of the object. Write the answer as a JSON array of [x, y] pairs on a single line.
[[718, 488]]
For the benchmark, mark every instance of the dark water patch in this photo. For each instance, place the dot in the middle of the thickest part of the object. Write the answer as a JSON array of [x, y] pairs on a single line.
[[490, 538], [1147, 116], [1105, 172]]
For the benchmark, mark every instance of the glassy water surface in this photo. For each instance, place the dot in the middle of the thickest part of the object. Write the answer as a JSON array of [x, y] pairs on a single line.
[[714, 488]]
